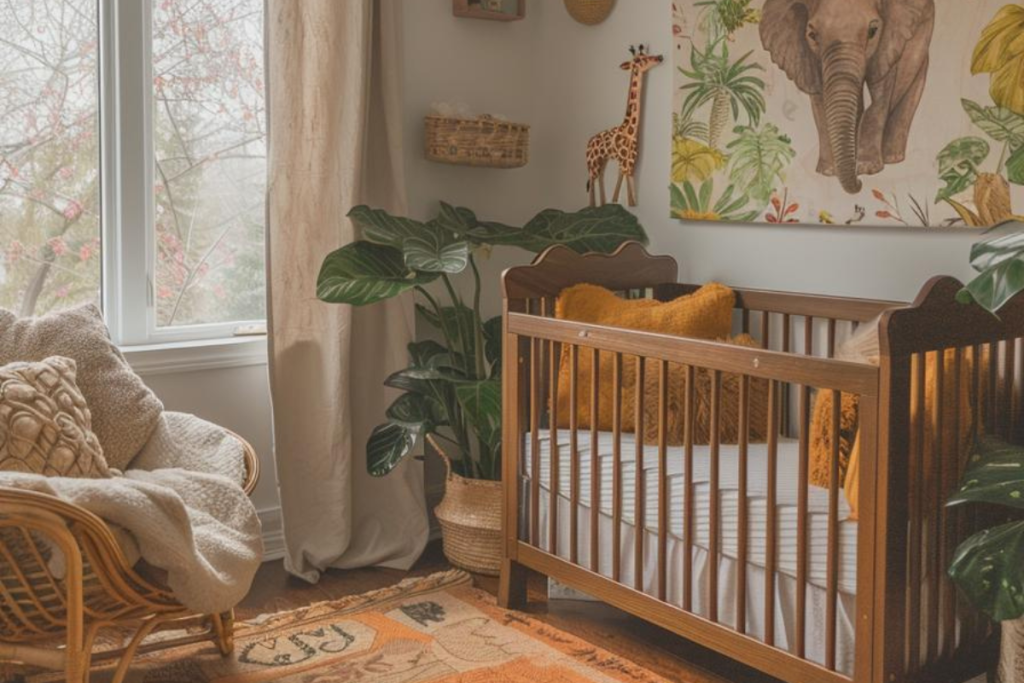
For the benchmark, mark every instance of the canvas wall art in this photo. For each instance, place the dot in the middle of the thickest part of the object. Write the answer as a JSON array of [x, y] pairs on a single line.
[[848, 112]]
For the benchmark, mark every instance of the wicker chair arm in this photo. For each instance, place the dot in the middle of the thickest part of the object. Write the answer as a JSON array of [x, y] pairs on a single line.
[[252, 464]]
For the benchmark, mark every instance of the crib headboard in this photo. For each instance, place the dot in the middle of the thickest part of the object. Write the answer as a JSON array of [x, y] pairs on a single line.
[[629, 267]]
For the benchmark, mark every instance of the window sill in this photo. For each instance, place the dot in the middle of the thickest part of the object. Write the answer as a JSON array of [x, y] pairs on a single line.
[[195, 356]]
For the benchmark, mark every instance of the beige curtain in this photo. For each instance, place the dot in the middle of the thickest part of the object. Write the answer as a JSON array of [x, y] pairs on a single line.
[[333, 77]]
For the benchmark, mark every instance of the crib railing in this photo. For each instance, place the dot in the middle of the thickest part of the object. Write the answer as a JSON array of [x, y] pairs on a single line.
[[542, 343]]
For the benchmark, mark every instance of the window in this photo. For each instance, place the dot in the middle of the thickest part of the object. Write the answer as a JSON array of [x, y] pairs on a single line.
[[133, 163]]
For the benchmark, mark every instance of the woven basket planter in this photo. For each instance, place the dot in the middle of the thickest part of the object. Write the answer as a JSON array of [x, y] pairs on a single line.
[[1011, 652], [589, 12], [483, 141], [470, 517]]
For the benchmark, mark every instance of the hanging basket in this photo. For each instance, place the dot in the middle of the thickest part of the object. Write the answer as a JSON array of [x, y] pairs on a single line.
[[470, 517], [483, 141], [589, 12]]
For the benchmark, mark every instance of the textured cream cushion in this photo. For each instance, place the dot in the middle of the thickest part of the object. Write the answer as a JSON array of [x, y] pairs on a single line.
[[45, 425], [124, 411], [191, 443]]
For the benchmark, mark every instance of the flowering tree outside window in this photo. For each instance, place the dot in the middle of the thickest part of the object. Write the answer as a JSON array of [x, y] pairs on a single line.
[[210, 160], [49, 154], [207, 153]]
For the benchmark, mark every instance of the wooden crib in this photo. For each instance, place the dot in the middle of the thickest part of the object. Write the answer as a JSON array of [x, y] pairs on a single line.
[[904, 618]]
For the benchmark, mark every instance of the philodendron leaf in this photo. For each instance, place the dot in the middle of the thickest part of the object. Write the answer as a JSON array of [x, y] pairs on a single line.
[[994, 474], [416, 409], [1015, 167], [989, 568], [458, 324], [387, 445], [999, 259], [958, 165], [1002, 125], [380, 227], [481, 404], [600, 228], [436, 250], [492, 343], [364, 273]]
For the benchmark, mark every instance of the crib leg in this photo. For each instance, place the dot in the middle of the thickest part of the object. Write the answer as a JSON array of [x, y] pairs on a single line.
[[512, 585]]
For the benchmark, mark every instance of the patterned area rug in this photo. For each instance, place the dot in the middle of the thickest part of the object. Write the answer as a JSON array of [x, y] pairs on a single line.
[[437, 629]]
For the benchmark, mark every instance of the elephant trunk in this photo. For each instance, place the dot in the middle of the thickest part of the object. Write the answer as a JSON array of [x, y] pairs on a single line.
[[843, 72]]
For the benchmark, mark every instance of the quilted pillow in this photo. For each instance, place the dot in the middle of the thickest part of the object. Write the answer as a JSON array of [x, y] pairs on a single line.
[[45, 425], [124, 411]]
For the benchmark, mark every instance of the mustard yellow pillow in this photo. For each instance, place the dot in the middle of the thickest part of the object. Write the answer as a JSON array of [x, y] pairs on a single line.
[[704, 314], [863, 347]]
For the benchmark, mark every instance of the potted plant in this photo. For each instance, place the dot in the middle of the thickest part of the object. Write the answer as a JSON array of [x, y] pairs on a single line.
[[452, 387], [989, 566]]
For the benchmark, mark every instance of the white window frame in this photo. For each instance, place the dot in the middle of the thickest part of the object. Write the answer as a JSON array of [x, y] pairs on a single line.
[[127, 197]]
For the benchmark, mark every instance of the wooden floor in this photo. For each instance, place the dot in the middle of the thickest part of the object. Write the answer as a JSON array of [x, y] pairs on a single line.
[[660, 651]]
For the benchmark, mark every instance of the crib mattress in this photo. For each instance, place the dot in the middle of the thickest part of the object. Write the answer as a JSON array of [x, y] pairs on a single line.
[[757, 480]]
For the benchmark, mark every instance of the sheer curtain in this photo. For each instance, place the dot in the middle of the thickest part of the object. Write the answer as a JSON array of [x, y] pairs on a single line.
[[333, 80]]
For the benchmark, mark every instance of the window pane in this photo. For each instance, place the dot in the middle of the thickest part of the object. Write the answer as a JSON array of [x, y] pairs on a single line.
[[49, 161], [210, 152]]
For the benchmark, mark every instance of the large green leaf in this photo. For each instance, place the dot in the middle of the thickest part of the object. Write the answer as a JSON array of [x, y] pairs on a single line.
[[380, 227], [598, 228], [364, 273], [458, 324], [1015, 167], [759, 158], [994, 474], [958, 165], [999, 259], [416, 409], [989, 568], [436, 250], [481, 404], [387, 445], [492, 343], [1002, 125]]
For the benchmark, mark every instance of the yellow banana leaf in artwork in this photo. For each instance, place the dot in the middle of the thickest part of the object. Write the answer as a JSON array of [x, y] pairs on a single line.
[[992, 199], [694, 161], [1000, 52]]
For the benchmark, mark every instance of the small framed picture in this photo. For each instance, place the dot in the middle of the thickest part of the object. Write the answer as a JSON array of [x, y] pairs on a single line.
[[496, 10]]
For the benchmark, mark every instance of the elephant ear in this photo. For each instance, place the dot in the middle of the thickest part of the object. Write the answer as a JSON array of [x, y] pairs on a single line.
[[783, 29], [901, 19]]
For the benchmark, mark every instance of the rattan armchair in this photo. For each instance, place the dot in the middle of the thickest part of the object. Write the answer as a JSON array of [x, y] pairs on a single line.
[[99, 590]]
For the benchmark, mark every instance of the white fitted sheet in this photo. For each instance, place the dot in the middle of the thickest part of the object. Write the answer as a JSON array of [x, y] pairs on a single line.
[[786, 509]]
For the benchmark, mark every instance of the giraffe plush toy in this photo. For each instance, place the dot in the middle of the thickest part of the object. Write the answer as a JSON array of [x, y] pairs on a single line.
[[621, 143]]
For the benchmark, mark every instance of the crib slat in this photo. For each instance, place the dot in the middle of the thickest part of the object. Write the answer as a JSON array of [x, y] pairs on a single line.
[[951, 518], [916, 482], [689, 406], [714, 522], [831, 337], [766, 331], [832, 577], [742, 516], [1010, 384], [638, 480], [936, 498], [993, 388], [574, 454], [595, 461], [745, 321], [771, 541], [553, 466], [617, 467], [802, 520], [662, 479], [809, 335], [535, 407]]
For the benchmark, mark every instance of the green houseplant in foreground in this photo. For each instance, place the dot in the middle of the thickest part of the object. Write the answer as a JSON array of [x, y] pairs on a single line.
[[452, 387], [999, 259], [989, 566]]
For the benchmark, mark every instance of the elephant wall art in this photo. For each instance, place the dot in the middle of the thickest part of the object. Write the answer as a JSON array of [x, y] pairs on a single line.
[[848, 112]]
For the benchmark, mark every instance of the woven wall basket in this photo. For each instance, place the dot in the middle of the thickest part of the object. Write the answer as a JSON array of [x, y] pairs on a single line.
[[589, 12], [470, 517], [483, 141]]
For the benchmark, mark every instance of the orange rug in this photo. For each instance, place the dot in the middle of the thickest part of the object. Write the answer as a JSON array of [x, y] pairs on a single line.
[[437, 629]]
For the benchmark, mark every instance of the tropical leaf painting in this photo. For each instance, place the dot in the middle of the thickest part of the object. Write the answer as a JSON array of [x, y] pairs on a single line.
[[754, 133]]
